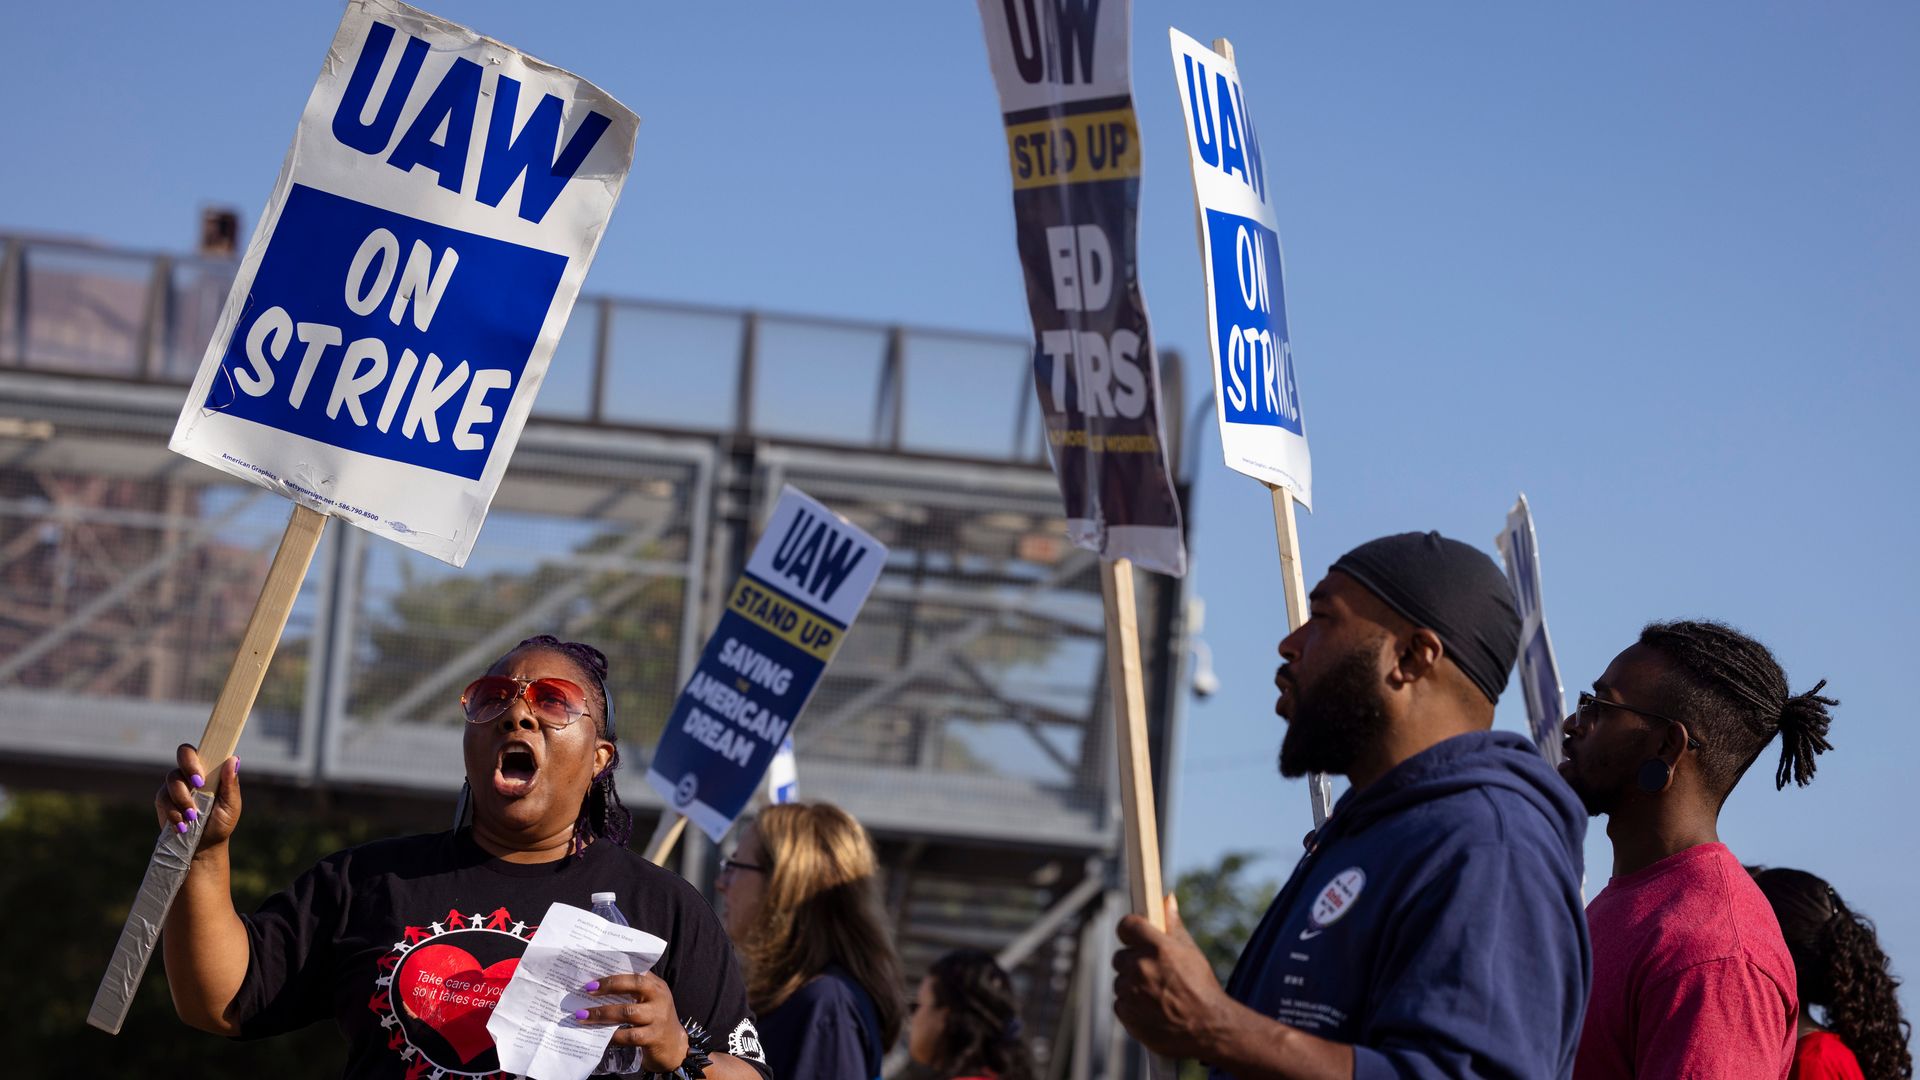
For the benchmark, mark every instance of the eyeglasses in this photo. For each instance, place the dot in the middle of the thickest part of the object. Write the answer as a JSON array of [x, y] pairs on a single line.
[[1589, 707], [729, 865], [554, 702]]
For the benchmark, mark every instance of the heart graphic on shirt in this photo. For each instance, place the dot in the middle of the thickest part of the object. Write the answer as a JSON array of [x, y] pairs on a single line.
[[445, 988]]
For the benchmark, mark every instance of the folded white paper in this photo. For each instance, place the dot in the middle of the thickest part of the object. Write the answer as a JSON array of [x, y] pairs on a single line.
[[533, 1026]]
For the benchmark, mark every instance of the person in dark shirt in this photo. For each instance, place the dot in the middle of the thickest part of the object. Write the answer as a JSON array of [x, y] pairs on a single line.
[[1840, 969], [1433, 928], [407, 944], [966, 1021], [800, 897]]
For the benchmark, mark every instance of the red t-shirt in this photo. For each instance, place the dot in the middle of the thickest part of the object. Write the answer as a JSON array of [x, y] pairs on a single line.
[[1691, 979], [1822, 1056]]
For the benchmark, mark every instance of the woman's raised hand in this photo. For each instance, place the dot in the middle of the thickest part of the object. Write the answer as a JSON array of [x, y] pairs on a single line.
[[173, 803]]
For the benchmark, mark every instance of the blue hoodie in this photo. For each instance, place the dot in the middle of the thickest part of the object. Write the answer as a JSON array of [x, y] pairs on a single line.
[[1437, 923]]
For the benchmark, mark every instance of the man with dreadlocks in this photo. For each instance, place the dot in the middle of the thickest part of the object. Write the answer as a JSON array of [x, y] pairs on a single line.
[[407, 944], [1690, 974]]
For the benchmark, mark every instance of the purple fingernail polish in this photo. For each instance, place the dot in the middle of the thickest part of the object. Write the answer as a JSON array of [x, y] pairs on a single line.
[[196, 780], [236, 766], [193, 814], [580, 1014], [180, 826], [592, 986]]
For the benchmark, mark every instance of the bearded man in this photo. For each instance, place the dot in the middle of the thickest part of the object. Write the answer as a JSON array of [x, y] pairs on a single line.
[[1434, 927]]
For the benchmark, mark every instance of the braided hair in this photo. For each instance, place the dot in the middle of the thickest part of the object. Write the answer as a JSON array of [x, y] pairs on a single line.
[[602, 814], [1734, 698], [1841, 967], [981, 1036]]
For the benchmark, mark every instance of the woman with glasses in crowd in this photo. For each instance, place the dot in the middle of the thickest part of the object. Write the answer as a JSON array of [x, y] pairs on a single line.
[[407, 944], [1840, 969], [801, 899], [966, 1021]]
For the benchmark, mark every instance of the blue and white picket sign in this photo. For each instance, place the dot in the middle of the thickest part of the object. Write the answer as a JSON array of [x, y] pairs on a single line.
[[1262, 432], [787, 614], [412, 272], [1539, 671], [783, 777]]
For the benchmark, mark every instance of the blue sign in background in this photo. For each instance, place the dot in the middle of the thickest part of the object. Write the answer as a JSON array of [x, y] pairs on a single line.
[[489, 317], [698, 771], [1243, 269]]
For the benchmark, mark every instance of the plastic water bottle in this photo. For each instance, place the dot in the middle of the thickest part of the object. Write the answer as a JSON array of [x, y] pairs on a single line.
[[619, 1059]]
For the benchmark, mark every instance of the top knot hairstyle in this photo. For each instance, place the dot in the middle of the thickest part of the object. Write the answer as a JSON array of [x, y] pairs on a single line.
[[602, 814], [1734, 698]]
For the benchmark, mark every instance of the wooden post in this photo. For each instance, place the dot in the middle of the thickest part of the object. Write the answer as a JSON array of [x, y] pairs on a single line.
[[1142, 821], [1130, 726], [665, 836], [1294, 585], [173, 855]]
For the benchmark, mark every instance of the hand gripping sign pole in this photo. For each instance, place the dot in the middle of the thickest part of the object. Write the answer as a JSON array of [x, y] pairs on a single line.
[[1256, 400], [386, 332], [786, 616]]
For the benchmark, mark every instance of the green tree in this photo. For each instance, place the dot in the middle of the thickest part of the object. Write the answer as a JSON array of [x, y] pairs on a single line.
[[1220, 909]]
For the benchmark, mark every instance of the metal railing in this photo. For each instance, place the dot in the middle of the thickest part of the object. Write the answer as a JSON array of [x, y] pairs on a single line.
[[73, 308]]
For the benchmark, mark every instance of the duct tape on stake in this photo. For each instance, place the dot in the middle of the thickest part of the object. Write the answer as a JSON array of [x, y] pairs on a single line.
[[173, 854]]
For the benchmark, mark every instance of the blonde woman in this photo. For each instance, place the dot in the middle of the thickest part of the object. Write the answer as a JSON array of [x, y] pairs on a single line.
[[801, 900]]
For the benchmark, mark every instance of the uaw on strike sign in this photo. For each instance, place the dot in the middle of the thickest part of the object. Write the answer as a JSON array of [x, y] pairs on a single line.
[[413, 270], [1262, 431], [786, 616], [1066, 91]]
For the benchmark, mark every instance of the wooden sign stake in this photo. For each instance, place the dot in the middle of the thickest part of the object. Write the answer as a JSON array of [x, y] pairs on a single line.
[[1142, 823], [173, 854], [665, 836], [1294, 584], [1130, 727]]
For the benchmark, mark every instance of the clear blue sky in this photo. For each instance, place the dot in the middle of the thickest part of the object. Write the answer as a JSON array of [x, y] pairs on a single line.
[[1657, 266]]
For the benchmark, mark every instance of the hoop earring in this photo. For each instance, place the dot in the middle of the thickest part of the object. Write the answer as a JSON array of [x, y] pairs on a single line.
[[1654, 776], [463, 807]]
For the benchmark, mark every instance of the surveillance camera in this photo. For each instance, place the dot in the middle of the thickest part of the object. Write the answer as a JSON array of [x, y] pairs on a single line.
[[1205, 683]]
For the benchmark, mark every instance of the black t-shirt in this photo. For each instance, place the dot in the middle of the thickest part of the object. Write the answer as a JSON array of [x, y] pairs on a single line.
[[828, 1030], [407, 944]]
